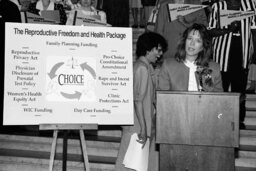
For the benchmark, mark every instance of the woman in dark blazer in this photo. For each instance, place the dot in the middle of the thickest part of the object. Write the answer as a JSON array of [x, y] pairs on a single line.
[[191, 69]]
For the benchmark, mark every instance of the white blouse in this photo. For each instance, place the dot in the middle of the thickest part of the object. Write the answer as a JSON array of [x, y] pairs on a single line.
[[39, 6], [192, 84]]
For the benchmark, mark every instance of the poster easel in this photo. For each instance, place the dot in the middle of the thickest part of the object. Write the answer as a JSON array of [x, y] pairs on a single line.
[[57, 128]]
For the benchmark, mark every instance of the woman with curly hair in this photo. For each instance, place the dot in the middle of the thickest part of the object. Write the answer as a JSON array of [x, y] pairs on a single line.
[[192, 68], [149, 48]]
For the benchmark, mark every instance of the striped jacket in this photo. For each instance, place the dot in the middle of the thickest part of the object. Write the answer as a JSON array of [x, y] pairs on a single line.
[[221, 44]]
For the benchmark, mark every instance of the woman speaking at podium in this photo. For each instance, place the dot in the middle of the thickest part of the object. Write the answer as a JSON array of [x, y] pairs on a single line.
[[191, 69]]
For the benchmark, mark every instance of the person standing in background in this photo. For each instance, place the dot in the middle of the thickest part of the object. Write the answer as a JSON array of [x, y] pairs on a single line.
[[150, 46], [137, 13], [117, 12], [252, 68], [173, 30], [37, 7], [232, 47], [86, 8], [148, 6]]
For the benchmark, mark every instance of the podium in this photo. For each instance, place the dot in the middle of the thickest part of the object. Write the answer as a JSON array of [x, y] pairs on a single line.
[[197, 131]]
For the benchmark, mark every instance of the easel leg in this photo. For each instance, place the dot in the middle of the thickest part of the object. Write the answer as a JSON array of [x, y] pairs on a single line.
[[53, 149], [65, 147], [81, 129], [84, 151]]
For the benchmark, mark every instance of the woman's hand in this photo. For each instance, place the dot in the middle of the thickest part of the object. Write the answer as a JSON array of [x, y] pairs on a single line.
[[142, 137]]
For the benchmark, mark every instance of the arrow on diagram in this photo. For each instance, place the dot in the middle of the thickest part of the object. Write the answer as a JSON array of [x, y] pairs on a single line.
[[89, 69], [54, 69], [76, 95]]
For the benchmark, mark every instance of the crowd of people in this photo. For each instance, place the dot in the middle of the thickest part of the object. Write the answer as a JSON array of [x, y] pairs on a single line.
[[192, 53]]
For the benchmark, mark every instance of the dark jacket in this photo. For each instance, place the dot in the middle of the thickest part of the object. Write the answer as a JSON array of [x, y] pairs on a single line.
[[174, 76]]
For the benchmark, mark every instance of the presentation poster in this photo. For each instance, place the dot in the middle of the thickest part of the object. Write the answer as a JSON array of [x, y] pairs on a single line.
[[67, 74]]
